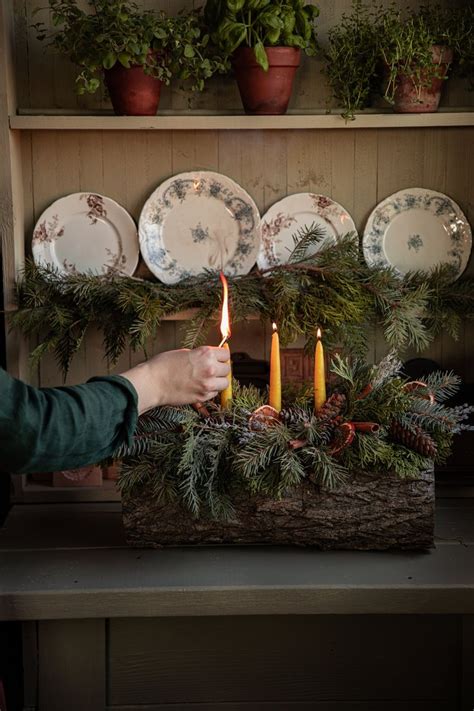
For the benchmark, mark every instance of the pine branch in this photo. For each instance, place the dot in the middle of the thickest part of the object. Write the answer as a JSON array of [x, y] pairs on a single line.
[[201, 463], [333, 289], [304, 239], [258, 457], [197, 329], [435, 417], [443, 385], [325, 470]]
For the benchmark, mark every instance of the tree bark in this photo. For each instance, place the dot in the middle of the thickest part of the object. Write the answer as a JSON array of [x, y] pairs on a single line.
[[369, 513]]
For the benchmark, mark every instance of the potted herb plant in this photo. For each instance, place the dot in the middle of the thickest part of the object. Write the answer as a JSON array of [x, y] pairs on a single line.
[[416, 53], [404, 57], [460, 27], [263, 39], [133, 51], [351, 58]]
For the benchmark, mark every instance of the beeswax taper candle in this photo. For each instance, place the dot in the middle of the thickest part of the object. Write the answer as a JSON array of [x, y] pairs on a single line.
[[275, 372], [319, 374]]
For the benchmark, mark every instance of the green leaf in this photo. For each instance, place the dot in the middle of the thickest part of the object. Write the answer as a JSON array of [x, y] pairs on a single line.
[[295, 41], [312, 11], [303, 25], [124, 59], [236, 36], [289, 20], [261, 56], [235, 5], [273, 36], [189, 51], [270, 19], [109, 60], [160, 33]]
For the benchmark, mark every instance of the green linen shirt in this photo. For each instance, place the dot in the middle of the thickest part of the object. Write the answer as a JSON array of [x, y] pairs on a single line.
[[49, 429]]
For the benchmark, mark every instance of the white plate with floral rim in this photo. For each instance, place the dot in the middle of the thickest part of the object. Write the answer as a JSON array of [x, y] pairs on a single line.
[[194, 222], [86, 233], [417, 229], [282, 222]]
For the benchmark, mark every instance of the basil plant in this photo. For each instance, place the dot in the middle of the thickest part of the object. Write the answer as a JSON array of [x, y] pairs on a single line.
[[260, 24]]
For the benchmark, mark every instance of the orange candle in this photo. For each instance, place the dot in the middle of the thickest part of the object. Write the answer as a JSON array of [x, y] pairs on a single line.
[[226, 395], [319, 374], [275, 372]]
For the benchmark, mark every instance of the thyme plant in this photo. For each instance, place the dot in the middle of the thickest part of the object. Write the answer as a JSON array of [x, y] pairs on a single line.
[[373, 45], [406, 47], [352, 57]]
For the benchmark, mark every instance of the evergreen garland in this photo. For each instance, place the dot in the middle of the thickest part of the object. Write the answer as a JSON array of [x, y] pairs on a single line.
[[181, 455], [333, 289]]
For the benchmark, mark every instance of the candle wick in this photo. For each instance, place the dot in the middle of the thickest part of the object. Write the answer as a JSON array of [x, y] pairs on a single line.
[[224, 340]]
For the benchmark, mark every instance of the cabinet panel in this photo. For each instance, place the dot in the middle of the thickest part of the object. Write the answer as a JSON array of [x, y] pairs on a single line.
[[217, 659]]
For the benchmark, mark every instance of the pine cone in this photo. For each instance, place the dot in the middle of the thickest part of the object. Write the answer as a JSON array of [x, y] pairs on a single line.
[[414, 438], [332, 409], [294, 416]]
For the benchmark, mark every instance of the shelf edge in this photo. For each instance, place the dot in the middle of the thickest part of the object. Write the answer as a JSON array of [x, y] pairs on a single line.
[[238, 122]]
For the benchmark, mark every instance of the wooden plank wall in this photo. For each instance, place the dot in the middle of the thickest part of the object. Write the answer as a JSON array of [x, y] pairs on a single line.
[[356, 167]]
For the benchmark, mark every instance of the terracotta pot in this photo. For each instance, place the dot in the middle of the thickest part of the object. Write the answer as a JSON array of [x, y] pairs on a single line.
[[132, 92], [268, 92], [412, 99]]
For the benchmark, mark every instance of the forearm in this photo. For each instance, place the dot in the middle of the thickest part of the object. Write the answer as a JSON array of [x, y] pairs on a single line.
[[63, 428]]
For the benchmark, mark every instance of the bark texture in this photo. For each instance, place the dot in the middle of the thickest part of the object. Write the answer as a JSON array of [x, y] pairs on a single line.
[[369, 513]]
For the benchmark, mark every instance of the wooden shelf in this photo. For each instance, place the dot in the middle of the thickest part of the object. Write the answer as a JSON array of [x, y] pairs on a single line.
[[48, 121], [63, 561]]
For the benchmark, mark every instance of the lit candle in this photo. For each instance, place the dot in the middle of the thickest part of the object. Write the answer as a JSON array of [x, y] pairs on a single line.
[[226, 395], [319, 374], [275, 372]]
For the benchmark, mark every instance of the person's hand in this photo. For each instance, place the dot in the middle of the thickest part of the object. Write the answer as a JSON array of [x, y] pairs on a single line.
[[180, 377]]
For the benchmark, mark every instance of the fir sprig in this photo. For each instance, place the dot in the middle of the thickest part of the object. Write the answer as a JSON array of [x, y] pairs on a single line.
[[332, 288], [203, 462]]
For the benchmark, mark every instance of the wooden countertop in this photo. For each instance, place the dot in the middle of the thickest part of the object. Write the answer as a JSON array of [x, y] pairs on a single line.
[[61, 561]]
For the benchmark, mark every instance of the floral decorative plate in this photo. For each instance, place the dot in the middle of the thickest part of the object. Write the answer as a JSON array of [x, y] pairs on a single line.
[[293, 213], [417, 229], [86, 232], [198, 221]]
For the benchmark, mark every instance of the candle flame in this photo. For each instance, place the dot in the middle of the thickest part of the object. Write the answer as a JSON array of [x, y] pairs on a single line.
[[318, 333], [225, 324], [274, 326]]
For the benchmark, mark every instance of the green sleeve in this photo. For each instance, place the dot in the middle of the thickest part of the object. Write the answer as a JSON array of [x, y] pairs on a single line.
[[49, 429]]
